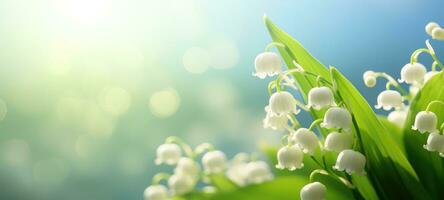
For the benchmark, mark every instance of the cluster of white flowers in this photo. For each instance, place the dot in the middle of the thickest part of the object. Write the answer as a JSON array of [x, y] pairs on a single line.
[[395, 98], [241, 170], [281, 115], [426, 122]]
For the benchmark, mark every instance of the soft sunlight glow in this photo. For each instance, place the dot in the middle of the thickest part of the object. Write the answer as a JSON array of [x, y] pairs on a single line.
[[224, 54], [196, 60], [115, 101], [164, 103], [84, 12]]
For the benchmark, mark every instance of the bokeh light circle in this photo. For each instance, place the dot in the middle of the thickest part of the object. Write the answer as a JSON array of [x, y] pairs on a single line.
[[164, 103], [196, 60]]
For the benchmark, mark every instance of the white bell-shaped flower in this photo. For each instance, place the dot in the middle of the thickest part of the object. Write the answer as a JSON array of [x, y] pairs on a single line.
[[187, 166], [337, 117], [237, 173], [306, 140], [438, 34], [413, 73], [282, 103], [181, 184], [258, 172], [155, 192], [430, 26], [338, 142], [389, 99], [414, 89], [425, 121], [429, 75], [214, 162], [313, 191], [168, 153], [267, 64], [351, 162], [320, 97], [435, 142], [290, 157], [273, 121], [369, 78], [398, 117]]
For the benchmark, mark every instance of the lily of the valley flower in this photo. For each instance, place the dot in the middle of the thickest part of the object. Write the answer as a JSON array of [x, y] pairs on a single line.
[[267, 64], [429, 75], [425, 121], [438, 34], [168, 153], [413, 73], [306, 140], [338, 142], [337, 117], [155, 192], [282, 103], [430, 27], [435, 142], [290, 157], [187, 166], [313, 191], [398, 117], [180, 184], [237, 173], [258, 172], [389, 99], [320, 97], [351, 162], [273, 121], [214, 162], [369, 78]]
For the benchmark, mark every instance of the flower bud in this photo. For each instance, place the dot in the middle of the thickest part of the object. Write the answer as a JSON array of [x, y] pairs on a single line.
[[275, 122], [181, 184], [430, 26], [155, 192], [290, 157], [306, 140], [429, 75], [282, 103], [313, 191], [389, 99], [320, 97], [435, 142], [187, 166], [338, 141], [337, 117], [168, 153], [267, 64], [425, 121], [214, 162], [369, 78], [413, 73], [438, 34], [350, 161], [258, 172], [398, 117]]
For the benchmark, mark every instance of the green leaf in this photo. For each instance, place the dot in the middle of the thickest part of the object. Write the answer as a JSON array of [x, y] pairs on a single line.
[[282, 188], [429, 166], [222, 183], [388, 168], [395, 132]]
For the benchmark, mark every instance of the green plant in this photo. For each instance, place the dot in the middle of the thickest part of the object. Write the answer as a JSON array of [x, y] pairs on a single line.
[[356, 153]]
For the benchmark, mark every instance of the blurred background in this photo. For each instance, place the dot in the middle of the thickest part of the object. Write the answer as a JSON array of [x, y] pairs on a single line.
[[90, 88]]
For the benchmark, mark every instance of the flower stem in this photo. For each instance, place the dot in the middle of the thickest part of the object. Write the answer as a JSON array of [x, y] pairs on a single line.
[[159, 177], [429, 106], [186, 148], [314, 124], [276, 44]]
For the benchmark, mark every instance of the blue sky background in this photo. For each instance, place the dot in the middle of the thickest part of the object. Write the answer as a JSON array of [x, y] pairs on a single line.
[[89, 88]]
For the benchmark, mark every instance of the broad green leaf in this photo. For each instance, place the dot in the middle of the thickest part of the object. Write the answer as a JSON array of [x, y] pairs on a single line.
[[222, 183], [395, 132], [293, 50], [392, 175], [429, 166]]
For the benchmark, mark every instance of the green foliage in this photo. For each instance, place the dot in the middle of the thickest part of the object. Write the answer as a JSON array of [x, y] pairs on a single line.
[[429, 166]]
